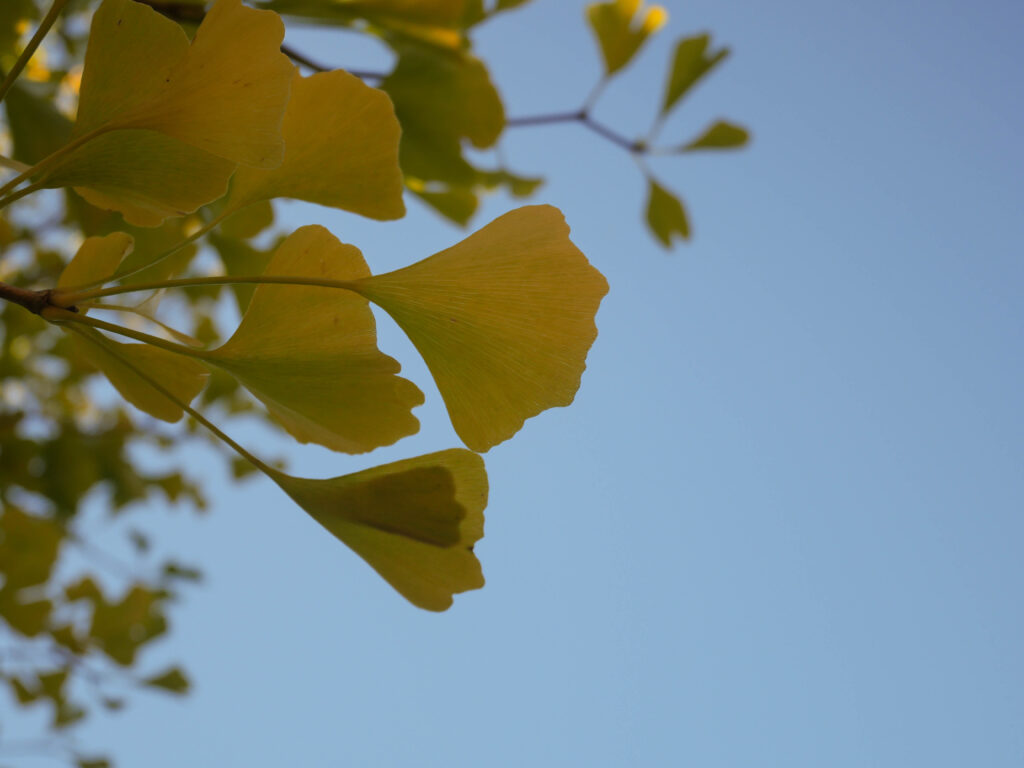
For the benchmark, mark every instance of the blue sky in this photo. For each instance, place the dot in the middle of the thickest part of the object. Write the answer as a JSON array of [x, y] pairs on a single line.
[[781, 524]]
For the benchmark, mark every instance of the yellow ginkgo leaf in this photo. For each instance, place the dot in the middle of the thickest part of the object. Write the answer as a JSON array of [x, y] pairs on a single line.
[[182, 376], [341, 139], [96, 260], [224, 93], [503, 320], [621, 27], [414, 521], [145, 175], [310, 354]]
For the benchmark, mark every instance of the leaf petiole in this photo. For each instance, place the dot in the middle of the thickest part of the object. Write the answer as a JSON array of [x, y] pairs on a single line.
[[33, 44], [109, 349], [65, 318], [70, 298]]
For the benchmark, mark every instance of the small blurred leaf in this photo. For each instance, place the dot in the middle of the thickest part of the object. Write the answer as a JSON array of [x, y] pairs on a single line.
[[92, 762], [690, 63], [29, 617], [67, 714], [441, 100], [457, 204], [173, 570], [172, 680], [721, 135], [666, 215], [622, 27], [37, 128], [248, 222], [22, 692]]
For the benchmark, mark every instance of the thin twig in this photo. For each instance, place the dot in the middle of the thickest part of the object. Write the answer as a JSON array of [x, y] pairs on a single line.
[[303, 60], [583, 117], [30, 49]]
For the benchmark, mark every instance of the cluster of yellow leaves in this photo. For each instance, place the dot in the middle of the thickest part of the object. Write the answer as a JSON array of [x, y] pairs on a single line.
[[503, 319]]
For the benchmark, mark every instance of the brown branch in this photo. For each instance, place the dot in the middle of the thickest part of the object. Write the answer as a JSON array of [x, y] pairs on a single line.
[[304, 61], [583, 117]]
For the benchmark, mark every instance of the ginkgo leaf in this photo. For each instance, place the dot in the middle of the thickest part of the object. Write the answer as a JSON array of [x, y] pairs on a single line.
[[666, 215], [145, 175], [414, 521], [224, 93], [690, 62], [503, 320], [622, 27], [248, 222], [96, 260], [720, 135], [441, 100], [341, 139], [310, 353], [37, 127], [182, 376]]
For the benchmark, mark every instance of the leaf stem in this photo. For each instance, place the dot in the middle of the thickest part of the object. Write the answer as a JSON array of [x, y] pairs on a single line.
[[583, 117], [50, 160], [63, 317], [23, 192], [263, 467], [303, 60], [33, 44], [67, 299]]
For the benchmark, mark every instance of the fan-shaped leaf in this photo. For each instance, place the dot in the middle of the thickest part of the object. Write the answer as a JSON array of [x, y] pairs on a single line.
[[441, 100], [503, 319], [224, 93], [310, 354], [96, 260], [341, 139], [666, 215], [622, 27], [720, 135], [690, 63], [414, 521], [145, 175], [182, 376]]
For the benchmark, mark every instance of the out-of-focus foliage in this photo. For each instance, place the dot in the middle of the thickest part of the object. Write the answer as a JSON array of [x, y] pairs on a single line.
[[163, 134]]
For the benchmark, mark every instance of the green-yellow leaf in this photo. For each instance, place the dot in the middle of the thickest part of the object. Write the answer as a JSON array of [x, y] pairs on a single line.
[[503, 320], [414, 521], [691, 61], [224, 93], [183, 376], [145, 175], [239, 259], [666, 215], [37, 128], [96, 260], [720, 135], [441, 99], [622, 27], [310, 354], [248, 222], [341, 139], [172, 680]]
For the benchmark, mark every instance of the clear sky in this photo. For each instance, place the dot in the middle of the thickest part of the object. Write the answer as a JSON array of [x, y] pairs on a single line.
[[782, 523]]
